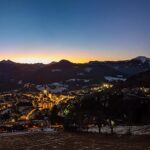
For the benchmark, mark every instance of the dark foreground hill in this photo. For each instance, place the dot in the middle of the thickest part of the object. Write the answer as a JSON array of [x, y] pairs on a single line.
[[73, 141], [141, 79]]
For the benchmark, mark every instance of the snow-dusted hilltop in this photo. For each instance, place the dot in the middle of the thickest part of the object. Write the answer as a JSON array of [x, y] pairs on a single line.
[[142, 59]]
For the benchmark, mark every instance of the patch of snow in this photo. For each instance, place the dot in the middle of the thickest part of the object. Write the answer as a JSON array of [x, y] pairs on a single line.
[[86, 80], [120, 76], [5, 111], [56, 70], [48, 130], [27, 85], [30, 131], [56, 84], [135, 130], [14, 133], [142, 59], [109, 78], [58, 90], [20, 82], [80, 74], [88, 69], [74, 80], [71, 80], [40, 87]]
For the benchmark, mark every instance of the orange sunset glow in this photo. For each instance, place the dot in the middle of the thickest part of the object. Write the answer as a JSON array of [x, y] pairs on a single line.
[[45, 56]]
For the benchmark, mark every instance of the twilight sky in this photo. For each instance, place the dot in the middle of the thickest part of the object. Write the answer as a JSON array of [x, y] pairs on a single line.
[[78, 30]]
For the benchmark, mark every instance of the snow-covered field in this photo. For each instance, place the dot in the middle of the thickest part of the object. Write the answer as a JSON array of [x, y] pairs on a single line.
[[31, 131], [135, 130], [120, 130]]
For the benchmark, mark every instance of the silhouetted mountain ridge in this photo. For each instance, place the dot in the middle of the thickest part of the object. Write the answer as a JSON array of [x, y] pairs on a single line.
[[95, 71]]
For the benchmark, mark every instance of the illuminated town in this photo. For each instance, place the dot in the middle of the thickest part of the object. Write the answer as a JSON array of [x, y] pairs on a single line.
[[27, 103]]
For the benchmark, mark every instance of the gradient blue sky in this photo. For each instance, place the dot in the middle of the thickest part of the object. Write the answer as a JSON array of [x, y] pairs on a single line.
[[78, 30]]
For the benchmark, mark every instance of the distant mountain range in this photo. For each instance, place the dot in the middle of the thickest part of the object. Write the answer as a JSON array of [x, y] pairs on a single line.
[[11, 73], [129, 67]]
